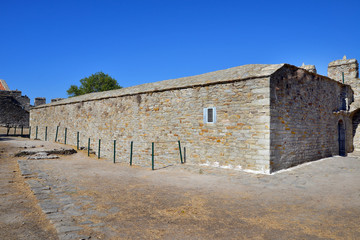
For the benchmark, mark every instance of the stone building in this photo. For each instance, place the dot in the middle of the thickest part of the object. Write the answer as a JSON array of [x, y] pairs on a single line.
[[256, 117], [14, 107], [347, 71]]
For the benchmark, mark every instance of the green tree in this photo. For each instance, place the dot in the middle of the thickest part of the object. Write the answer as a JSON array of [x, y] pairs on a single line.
[[97, 82]]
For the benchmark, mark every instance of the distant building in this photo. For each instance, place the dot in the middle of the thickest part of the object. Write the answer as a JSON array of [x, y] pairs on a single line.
[[3, 86], [14, 107]]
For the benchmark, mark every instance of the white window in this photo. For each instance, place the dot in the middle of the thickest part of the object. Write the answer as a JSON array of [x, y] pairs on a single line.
[[210, 115]]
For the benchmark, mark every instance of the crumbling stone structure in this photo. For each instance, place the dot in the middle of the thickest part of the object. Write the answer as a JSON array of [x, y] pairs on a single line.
[[257, 117], [310, 68], [39, 101], [12, 113], [14, 107]]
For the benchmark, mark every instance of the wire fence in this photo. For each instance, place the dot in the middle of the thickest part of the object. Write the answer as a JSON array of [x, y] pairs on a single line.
[[124, 149]]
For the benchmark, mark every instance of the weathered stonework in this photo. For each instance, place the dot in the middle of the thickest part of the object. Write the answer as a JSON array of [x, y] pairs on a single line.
[[12, 114], [168, 111], [39, 101], [349, 67], [56, 99], [310, 68], [258, 108], [14, 109], [305, 112]]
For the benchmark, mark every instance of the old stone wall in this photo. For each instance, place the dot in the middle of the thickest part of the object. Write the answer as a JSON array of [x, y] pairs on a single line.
[[310, 68], [305, 111], [24, 101], [350, 68], [39, 101], [240, 137], [12, 113]]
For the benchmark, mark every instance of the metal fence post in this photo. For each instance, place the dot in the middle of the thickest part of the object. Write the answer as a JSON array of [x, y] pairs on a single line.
[[131, 152], [57, 130], [22, 130], [15, 131], [46, 133], [99, 149], [184, 154], [114, 150], [36, 137], [181, 159], [89, 147], [29, 131], [77, 141], [65, 135], [152, 156]]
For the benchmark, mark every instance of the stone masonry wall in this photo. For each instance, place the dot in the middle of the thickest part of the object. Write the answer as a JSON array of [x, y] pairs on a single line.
[[12, 113], [349, 67], [24, 101], [239, 138], [305, 111]]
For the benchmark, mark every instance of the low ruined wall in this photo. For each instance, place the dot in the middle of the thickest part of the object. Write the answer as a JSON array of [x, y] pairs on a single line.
[[239, 138], [304, 117]]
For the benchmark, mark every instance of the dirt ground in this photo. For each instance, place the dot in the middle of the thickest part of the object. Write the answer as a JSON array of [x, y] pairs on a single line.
[[320, 200], [20, 216]]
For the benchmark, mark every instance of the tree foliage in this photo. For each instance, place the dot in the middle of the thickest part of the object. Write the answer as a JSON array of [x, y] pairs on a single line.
[[97, 82]]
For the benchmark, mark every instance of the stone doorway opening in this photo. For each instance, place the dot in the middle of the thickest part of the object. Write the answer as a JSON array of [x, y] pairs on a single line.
[[341, 138]]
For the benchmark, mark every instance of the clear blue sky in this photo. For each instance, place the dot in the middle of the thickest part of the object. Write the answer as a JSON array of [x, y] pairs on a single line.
[[46, 46]]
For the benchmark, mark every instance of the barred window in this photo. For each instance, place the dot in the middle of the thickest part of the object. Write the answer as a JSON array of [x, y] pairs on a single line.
[[210, 115]]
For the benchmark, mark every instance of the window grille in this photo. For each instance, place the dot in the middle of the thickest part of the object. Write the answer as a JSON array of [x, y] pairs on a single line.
[[210, 115]]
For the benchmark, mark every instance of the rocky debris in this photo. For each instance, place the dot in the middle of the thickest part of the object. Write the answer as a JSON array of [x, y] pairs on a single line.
[[61, 151], [91, 151], [42, 155]]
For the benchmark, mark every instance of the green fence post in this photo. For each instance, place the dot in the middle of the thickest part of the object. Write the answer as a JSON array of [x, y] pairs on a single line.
[[65, 135], [99, 149], [184, 154], [29, 131], [131, 152], [36, 132], [343, 78], [114, 150], [152, 156], [77, 141], [22, 130], [89, 147], [181, 159], [15, 131], [46, 133], [57, 130]]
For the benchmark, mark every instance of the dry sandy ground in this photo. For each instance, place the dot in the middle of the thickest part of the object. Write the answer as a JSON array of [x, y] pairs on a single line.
[[20, 216], [320, 200]]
